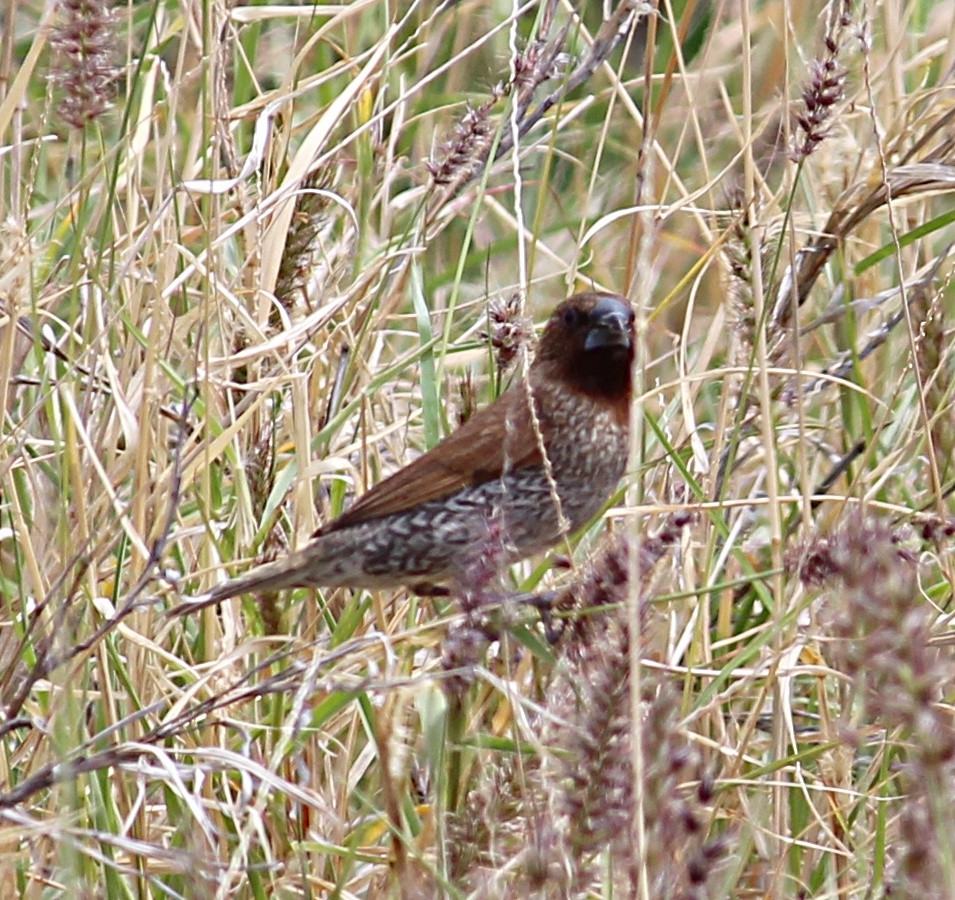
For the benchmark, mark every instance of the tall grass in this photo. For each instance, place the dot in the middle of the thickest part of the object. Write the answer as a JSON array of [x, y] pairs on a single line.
[[253, 258]]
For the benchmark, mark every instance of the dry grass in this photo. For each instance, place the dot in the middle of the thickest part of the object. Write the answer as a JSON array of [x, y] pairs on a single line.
[[246, 260]]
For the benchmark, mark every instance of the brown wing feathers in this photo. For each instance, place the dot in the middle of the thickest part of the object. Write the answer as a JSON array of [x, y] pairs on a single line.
[[494, 437]]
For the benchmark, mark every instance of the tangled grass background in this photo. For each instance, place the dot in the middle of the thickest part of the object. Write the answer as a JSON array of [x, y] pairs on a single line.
[[254, 257]]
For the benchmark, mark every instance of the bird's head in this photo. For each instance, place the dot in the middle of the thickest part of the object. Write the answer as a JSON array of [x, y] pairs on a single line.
[[587, 345]]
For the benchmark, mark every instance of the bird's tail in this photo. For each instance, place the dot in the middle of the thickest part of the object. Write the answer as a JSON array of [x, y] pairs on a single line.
[[273, 576]]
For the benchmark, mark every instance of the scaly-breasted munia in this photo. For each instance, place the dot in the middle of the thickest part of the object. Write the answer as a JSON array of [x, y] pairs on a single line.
[[514, 479]]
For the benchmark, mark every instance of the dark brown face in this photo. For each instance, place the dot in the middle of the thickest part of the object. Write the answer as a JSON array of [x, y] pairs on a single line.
[[588, 345]]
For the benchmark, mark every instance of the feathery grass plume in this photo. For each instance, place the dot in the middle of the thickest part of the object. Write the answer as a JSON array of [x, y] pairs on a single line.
[[737, 255], [602, 591], [464, 153], [824, 87], [519, 832], [259, 466], [301, 274], [508, 330], [490, 827], [593, 796], [594, 800], [462, 649], [882, 633], [933, 357], [465, 643], [541, 60], [85, 44]]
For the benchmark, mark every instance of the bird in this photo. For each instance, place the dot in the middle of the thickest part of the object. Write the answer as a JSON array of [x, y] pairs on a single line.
[[516, 478]]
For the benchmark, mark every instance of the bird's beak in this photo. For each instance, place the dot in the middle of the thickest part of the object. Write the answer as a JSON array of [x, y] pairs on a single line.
[[609, 326]]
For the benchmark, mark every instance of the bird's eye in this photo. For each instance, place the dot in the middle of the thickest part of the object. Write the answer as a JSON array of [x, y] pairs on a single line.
[[570, 317]]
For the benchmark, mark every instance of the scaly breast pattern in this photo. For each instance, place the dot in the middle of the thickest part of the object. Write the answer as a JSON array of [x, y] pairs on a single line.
[[497, 521]]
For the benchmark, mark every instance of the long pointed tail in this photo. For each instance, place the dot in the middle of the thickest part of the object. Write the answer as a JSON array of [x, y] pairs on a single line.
[[273, 576]]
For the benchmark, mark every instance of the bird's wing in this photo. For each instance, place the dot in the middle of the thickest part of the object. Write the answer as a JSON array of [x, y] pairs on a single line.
[[497, 438]]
